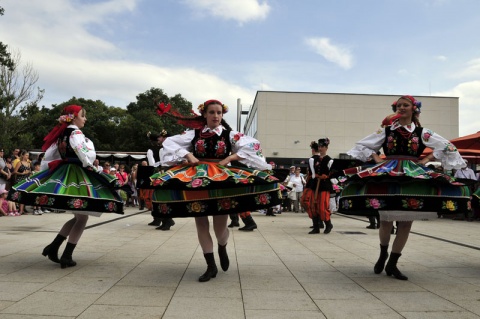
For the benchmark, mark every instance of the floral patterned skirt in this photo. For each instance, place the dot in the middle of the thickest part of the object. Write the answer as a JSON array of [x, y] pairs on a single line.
[[402, 190], [212, 189], [70, 187]]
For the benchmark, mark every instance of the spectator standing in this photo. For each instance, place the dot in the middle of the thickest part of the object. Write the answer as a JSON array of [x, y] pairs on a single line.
[[143, 193], [4, 171], [465, 172], [106, 167], [15, 156], [132, 181], [122, 177], [21, 171], [298, 182], [288, 201], [37, 210], [9, 168], [467, 175], [96, 165]]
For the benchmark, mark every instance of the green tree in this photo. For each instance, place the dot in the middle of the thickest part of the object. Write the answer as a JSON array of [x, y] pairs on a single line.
[[5, 59], [143, 118], [110, 128], [17, 94], [103, 122], [33, 117]]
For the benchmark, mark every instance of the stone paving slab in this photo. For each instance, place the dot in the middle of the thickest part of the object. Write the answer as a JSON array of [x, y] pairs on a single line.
[[127, 269]]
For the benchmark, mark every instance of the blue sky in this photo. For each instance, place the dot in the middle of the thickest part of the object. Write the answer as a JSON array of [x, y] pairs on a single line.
[[229, 49]]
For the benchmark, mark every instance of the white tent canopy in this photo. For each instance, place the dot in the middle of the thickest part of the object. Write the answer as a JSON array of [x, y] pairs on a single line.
[[134, 155]]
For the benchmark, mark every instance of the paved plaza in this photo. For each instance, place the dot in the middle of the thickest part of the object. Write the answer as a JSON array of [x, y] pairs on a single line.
[[127, 269]]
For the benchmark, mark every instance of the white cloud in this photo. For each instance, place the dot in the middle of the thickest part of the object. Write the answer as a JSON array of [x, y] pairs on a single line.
[[441, 58], [333, 53], [468, 90], [469, 94], [239, 10], [117, 82], [60, 26], [71, 61], [471, 70]]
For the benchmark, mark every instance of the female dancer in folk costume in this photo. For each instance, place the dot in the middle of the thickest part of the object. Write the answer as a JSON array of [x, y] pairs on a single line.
[[69, 181], [316, 196], [204, 184], [401, 188]]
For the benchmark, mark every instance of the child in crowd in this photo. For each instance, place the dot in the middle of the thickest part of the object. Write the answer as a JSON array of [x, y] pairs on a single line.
[[7, 208], [37, 210]]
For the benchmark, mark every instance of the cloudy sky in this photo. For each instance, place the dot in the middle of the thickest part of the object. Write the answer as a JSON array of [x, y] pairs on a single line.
[[112, 50]]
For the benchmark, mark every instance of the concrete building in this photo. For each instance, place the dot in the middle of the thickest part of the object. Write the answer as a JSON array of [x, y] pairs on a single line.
[[286, 122]]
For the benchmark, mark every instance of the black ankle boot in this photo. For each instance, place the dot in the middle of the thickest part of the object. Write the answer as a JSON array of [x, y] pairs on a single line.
[[167, 223], [320, 223], [391, 267], [250, 224], [316, 225], [380, 264], [222, 253], [51, 251], [211, 268], [156, 222], [372, 225], [328, 227], [234, 223], [270, 212], [66, 259]]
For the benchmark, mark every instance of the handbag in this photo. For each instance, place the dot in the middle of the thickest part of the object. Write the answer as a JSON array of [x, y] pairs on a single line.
[[127, 189], [292, 195]]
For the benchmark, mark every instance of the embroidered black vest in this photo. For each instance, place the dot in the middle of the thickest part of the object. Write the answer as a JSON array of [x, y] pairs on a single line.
[[402, 142], [63, 143], [156, 152], [316, 164], [321, 168], [210, 145]]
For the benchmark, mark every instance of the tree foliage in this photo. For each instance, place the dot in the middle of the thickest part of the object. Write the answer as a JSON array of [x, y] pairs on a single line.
[[5, 59], [110, 128], [144, 119], [18, 102]]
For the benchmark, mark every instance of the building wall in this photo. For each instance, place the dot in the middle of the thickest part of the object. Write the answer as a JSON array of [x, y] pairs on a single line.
[[286, 122]]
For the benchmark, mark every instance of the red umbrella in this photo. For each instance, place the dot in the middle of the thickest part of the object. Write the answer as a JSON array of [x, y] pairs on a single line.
[[467, 142]]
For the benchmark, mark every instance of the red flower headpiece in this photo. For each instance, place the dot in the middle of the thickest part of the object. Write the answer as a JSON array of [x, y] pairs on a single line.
[[416, 103], [68, 114]]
